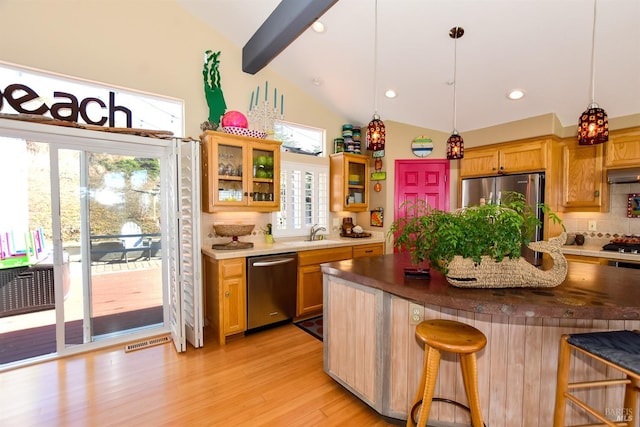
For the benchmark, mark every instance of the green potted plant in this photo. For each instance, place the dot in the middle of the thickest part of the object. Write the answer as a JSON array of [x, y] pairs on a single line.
[[469, 245]]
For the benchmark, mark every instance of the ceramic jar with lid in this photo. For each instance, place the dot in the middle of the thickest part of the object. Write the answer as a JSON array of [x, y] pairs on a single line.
[[347, 225]]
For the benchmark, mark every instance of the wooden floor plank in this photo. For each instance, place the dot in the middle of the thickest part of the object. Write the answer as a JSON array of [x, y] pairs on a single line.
[[272, 378]]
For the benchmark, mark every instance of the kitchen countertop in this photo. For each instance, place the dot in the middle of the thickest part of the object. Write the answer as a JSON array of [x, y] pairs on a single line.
[[590, 291], [292, 245], [596, 251]]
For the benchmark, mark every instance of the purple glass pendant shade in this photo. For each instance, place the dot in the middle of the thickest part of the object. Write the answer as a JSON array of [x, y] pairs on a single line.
[[594, 126], [376, 134], [455, 147]]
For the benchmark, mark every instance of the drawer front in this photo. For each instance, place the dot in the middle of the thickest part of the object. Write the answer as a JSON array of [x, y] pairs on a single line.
[[318, 256], [233, 267], [373, 249]]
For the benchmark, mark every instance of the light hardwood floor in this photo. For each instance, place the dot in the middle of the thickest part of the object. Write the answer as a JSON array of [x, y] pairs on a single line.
[[273, 378]]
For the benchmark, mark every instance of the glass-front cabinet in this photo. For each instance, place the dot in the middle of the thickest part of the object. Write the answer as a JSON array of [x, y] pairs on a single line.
[[349, 182], [239, 172]]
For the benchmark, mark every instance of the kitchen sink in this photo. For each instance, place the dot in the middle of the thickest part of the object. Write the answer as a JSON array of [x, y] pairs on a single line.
[[303, 243]]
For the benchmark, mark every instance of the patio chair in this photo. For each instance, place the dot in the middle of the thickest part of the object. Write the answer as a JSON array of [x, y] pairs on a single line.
[[133, 240]]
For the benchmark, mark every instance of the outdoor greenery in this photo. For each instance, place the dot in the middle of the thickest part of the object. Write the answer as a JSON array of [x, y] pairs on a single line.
[[135, 200], [498, 231]]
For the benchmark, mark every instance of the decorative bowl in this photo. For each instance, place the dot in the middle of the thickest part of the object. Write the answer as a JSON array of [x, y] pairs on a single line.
[[232, 230], [244, 132]]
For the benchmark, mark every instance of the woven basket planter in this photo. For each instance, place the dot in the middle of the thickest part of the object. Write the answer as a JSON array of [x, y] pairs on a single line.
[[510, 273]]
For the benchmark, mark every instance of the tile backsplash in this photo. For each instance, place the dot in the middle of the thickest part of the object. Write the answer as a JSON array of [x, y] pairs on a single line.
[[608, 224], [257, 235]]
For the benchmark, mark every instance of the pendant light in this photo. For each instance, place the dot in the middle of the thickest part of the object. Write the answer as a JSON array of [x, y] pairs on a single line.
[[593, 127], [455, 144], [376, 132]]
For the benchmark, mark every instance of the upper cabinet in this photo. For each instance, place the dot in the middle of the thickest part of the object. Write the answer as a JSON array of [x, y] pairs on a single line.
[[506, 158], [583, 187], [623, 149], [349, 183], [239, 173]]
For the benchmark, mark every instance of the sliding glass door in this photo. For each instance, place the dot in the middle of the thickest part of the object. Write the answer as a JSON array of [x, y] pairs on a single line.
[[115, 217], [87, 224]]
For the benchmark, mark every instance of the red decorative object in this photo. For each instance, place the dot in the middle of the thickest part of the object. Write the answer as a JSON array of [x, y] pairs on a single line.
[[594, 126], [234, 119], [455, 147], [376, 134]]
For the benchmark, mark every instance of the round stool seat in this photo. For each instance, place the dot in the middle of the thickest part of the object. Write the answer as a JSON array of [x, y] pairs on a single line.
[[452, 336], [440, 335]]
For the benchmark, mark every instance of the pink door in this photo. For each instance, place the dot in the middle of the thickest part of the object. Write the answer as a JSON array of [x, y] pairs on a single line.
[[421, 179]]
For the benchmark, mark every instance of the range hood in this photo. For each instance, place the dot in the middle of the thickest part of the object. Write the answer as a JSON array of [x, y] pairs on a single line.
[[621, 176]]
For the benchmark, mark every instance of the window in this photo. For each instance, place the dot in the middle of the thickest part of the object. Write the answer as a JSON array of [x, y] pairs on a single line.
[[299, 139], [304, 198], [97, 101]]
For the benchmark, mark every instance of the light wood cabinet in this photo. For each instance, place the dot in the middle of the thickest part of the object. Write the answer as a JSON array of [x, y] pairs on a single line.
[[309, 295], [583, 187], [586, 259], [372, 249], [480, 161], [623, 149], [225, 296], [349, 184], [506, 158], [239, 173]]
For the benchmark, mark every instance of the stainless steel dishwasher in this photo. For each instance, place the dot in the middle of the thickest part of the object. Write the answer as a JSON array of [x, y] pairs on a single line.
[[271, 289]]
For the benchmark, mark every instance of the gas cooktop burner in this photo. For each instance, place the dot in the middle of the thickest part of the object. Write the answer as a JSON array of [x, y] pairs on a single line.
[[621, 249], [625, 244]]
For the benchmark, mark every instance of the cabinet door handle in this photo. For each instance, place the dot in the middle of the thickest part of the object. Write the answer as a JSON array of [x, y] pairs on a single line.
[[368, 251], [227, 294], [596, 193]]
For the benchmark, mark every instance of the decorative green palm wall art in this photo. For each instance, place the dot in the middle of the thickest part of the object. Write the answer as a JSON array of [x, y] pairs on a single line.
[[213, 89]]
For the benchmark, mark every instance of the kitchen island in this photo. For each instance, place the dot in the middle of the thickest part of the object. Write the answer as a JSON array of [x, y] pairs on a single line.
[[371, 311]]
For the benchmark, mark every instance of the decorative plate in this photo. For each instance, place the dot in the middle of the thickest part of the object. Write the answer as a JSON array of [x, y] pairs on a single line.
[[244, 132], [422, 146]]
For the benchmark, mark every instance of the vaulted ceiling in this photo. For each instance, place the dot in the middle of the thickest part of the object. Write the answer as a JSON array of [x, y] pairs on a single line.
[[542, 47]]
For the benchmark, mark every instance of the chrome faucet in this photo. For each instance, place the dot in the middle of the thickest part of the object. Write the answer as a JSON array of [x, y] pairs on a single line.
[[314, 231]]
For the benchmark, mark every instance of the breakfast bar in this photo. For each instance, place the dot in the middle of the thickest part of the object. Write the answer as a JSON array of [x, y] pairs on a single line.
[[371, 311]]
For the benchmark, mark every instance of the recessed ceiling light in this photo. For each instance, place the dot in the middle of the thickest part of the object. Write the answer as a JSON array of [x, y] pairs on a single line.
[[318, 27], [390, 94], [516, 94]]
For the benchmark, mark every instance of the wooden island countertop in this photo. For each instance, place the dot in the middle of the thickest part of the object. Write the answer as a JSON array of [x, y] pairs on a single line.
[[590, 291], [371, 311]]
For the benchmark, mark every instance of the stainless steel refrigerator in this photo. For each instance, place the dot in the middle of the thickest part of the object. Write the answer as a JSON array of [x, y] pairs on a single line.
[[476, 191]]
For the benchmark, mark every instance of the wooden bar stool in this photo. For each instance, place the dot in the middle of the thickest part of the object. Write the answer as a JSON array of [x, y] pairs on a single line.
[[620, 350], [455, 337]]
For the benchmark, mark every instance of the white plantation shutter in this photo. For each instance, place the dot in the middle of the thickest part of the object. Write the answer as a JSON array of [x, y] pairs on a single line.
[[176, 294], [185, 283], [304, 198], [189, 180]]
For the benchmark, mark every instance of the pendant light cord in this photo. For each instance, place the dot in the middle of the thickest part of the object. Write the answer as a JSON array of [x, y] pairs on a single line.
[[593, 55], [375, 60], [455, 60]]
